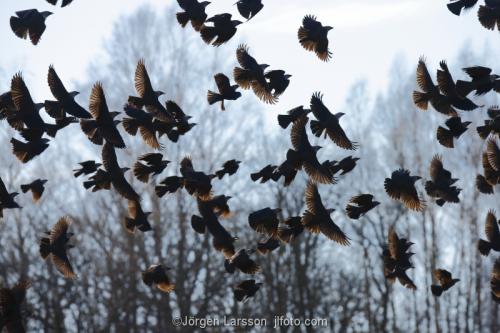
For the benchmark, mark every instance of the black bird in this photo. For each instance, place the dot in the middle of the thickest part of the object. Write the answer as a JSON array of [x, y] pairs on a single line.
[[246, 290], [288, 169], [483, 81], [329, 124], [492, 125], [194, 11], [227, 92], [397, 260], [304, 155], [455, 129], [222, 31], [143, 122], [448, 88], [137, 218], [457, 6], [53, 129], [228, 168], [439, 186], [265, 221], [278, 81], [87, 168], [56, 245], [401, 186], [492, 232], [9, 112], [242, 261], [11, 302], [63, 4], [489, 15], [446, 281], [294, 114], [251, 75], [66, 99], [313, 36], [267, 173], [317, 218], [360, 205], [495, 281], [6, 198], [292, 229], [156, 275], [486, 183], [103, 122], [249, 8], [345, 165], [181, 119], [148, 97], [116, 174], [154, 165], [196, 183], [222, 239], [430, 92], [26, 151], [169, 185], [29, 22], [268, 245], [101, 180], [36, 187]]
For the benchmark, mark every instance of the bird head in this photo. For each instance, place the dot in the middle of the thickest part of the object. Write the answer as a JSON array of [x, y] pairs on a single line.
[[46, 14], [328, 28], [158, 93], [74, 93], [339, 115], [205, 3], [287, 76], [43, 181], [263, 66], [355, 159], [227, 197], [236, 23], [329, 211], [46, 141], [125, 169], [495, 76]]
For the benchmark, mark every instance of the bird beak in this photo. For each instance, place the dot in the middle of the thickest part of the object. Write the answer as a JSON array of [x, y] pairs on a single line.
[[287, 76], [228, 198], [328, 28]]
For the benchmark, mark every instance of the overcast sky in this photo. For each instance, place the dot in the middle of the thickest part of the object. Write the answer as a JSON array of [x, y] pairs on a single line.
[[367, 36]]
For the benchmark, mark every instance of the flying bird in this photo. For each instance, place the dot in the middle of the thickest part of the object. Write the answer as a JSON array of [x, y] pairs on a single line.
[[396, 257], [245, 290], [137, 218], [249, 8], [457, 6], [63, 4], [154, 165], [482, 81], [345, 165], [360, 205], [294, 114], [492, 125], [265, 221], [455, 129], [196, 183], [228, 168], [241, 260], [492, 232], [9, 112], [194, 11], [7, 199], [329, 123], [101, 180], [11, 303], [87, 168], [495, 281], [30, 23], [401, 186], [64, 98], [489, 15], [56, 245], [313, 36], [291, 229], [267, 173], [227, 92], [317, 218], [278, 81], [156, 276], [181, 119], [103, 124], [36, 187], [26, 151], [251, 75], [446, 281], [143, 122], [440, 185], [116, 174], [267, 246], [448, 88], [430, 92], [486, 183], [221, 32]]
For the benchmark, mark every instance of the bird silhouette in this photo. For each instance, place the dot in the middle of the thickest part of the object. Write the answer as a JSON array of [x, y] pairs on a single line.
[[156, 276], [446, 281], [492, 232], [30, 23], [313, 36], [401, 186]]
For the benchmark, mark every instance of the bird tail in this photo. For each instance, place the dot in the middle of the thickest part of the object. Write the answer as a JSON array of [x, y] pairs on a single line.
[[464, 88], [436, 290], [17, 26], [160, 190], [455, 7], [141, 172], [88, 184], [44, 247], [243, 77], [208, 34], [77, 173], [487, 17], [198, 224], [20, 150], [317, 128], [421, 100], [130, 125], [255, 176], [182, 18], [484, 247], [284, 120], [147, 279], [213, 98], [484, 131], [220, 174], [445, 137], [173, 135], [353, 212], [51, 130]]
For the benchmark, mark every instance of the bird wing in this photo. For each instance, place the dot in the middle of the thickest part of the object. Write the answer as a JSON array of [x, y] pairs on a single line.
[[443, 276], [333, 232], [491, 227], [109, 159], [21, 96], [362, 199], [310, 23], [319, 109], [298, 133], [223, 83], [4, 193], [445, 80], [97, 105], [477, 72], [493, 154], [313, 199], [393, 241], [141, 79], [60, 229], [244, 59], [424, 79], [61, 261], [436, 167], [152, 158], [56, 86]]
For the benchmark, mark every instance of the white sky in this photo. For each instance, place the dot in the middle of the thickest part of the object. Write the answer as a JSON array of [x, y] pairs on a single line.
[[367, 36]]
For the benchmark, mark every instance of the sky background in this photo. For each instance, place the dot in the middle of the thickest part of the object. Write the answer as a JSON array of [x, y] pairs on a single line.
[[368, 35]]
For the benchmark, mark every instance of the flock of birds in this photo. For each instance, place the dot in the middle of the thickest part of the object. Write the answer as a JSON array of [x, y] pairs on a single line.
[[146, 115]]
